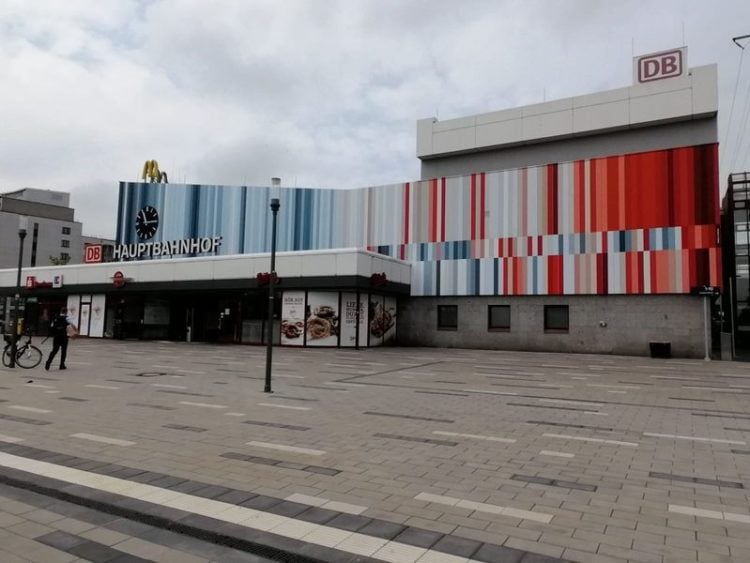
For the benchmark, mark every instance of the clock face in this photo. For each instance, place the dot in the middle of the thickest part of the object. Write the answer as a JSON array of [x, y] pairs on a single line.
[[146, 222]]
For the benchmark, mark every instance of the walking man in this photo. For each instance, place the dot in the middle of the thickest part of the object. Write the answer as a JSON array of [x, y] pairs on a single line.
[[59, 332]]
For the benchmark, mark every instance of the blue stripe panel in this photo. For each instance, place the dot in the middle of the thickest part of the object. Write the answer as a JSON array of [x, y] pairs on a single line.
[[495, 276]]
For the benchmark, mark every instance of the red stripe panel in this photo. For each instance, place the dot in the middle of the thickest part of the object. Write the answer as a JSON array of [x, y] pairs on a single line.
[[482, 210], [473, 206], [442, 210], [407, 212]]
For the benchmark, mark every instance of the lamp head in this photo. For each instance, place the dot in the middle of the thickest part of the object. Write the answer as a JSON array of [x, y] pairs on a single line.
[[275, 205]]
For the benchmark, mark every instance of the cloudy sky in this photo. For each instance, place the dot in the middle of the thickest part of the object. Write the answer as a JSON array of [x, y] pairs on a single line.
[[322, 93]]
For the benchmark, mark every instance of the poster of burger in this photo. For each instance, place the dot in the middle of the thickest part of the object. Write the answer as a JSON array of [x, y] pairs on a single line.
[[322, 319], [293, 318]]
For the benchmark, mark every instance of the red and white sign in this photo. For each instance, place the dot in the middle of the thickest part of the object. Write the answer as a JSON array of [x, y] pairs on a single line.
[[92, 253], [118, 280], [33, 283], [657, 66]]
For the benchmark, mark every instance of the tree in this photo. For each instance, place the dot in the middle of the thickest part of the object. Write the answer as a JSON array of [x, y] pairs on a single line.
[[59, 260]]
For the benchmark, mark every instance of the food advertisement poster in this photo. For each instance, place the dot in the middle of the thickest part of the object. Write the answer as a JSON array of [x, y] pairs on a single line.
[[322, 324], [382, 319], [389, 324], [293, 318], [96, 322], [349, 319]]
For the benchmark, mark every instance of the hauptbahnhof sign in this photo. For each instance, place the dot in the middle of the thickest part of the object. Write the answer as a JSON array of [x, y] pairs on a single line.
[[167, 248]]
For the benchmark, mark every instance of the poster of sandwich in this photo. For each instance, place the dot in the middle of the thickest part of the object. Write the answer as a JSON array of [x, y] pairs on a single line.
[[382, 319]]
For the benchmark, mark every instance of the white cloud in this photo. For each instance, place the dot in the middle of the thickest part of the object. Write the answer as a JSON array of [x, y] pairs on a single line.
[[322, 93]]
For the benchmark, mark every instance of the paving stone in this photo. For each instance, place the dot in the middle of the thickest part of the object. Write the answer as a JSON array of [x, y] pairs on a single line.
[[60, 540]]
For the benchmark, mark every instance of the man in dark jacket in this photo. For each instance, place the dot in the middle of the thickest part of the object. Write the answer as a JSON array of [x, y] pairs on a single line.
[[59, 332]]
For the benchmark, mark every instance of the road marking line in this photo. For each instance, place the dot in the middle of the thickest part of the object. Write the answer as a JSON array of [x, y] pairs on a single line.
[[694, 438], [205, 405], [234, 414], [285, 448], [102, 439], [613, 386], [488, 392], [11, 439], [717, 515], [289, 376], [28, 409], [40, 386], [595, 440], [555, 454], [597, 413], [571, 402], [168, 386], [102, 386], [284, 407], [475, 436], [326, 503], [351, 542], [484, 507]]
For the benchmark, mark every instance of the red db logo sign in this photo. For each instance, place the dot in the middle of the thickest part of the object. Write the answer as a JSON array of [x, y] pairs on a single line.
[[660, 65], [92, 254]]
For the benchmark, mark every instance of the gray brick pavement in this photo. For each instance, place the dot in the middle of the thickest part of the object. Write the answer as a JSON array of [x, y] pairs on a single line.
[[627, 517]]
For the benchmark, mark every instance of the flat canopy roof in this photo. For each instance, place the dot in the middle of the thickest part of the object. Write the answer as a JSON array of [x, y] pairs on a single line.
[[348, 267]]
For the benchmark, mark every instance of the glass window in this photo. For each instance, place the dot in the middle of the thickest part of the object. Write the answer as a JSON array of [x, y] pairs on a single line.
[[64, 256], [65, 243], [498, 317], [556, 318], [447, 317], [66, 230]]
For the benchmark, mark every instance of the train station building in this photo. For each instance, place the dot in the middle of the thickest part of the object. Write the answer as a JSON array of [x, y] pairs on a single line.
[[579, 225]]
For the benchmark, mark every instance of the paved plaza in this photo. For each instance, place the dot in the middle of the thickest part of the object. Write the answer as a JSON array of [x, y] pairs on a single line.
[[151, 451]]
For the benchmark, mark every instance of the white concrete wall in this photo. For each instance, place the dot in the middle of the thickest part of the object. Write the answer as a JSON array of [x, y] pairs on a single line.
[[340, 262], [692, 96]]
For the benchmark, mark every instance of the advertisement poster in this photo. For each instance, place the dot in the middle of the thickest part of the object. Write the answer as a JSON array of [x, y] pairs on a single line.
[[96, 319], [390, 320], [349, 319], [83, 319], [382, 319], [322, 325], [293, 318], [74, 303]]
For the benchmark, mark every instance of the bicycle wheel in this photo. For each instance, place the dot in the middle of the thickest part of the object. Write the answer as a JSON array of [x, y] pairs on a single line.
[[6, 357], [29, 357]]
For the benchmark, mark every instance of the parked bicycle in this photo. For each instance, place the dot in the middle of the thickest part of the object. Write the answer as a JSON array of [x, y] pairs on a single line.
[[27, 355]]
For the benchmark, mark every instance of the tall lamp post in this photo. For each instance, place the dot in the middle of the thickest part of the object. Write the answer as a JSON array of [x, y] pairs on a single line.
[[22, 224], [271, 290]]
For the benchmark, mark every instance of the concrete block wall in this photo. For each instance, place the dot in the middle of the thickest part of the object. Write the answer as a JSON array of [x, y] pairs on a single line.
[[630, 323]]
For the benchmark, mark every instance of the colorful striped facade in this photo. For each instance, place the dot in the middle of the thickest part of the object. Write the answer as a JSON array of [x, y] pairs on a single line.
[[644, 223]]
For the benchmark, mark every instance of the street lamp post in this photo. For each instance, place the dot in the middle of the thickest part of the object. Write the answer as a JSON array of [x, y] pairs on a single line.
[[22, 223], [271, 289]]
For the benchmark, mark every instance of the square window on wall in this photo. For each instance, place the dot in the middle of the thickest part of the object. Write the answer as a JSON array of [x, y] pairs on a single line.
[[556, 318], [65, 243], [498, 317], [447, 317]]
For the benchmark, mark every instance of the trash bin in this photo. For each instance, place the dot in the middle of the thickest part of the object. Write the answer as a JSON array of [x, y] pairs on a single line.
[[660, 349]]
